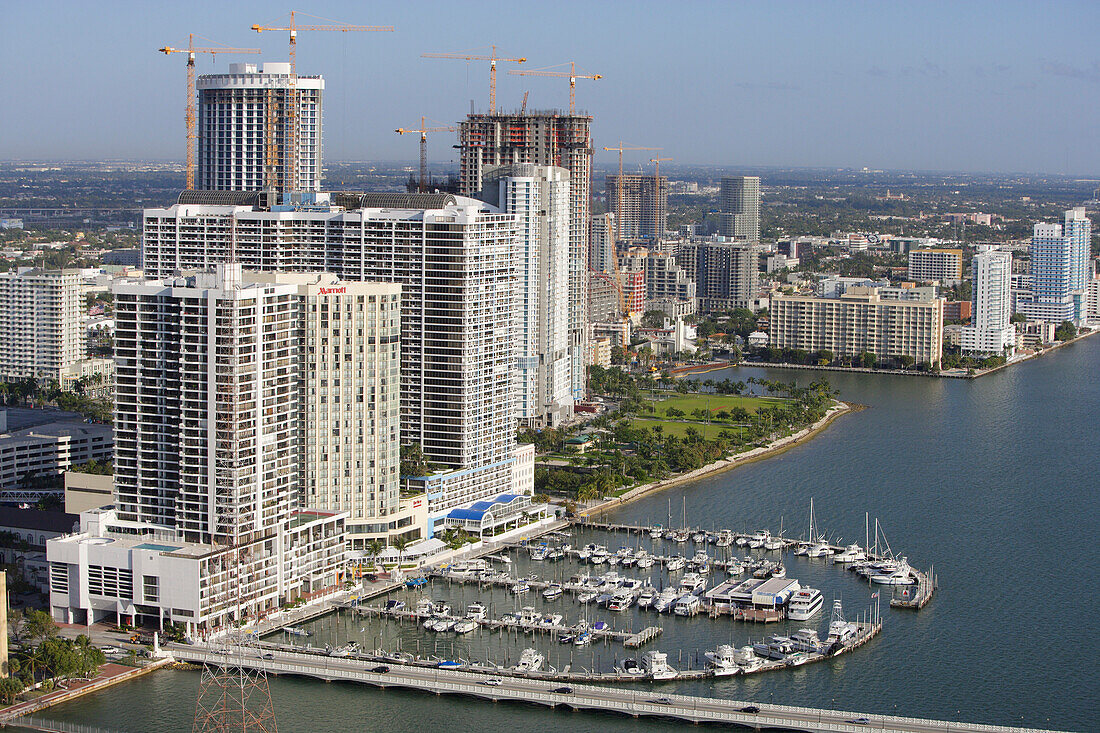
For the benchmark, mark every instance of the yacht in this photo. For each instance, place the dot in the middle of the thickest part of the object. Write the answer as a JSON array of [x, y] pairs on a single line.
[[802, 550], [655, 664], [722, 661], [687, 605], [775, 647], [475, 612], [725, 539], [553, 592], [539, 552], [851, 553], [655, 532], [628, 561], [520, 588], [501, 558], [681, 535], [551, 620], [424, 608], [630, 584], [804, 604], [440, 608], [901, 576], [758, 539], [692, 583], [840, 631], [620, 601], [464, 626], [876, 567], [646, 597], [821, 548], [631, 667], [599, 557], [699, 538], [529, 661], [587, 596], [528, 616], [806, 640], [735, 568], [675, 563], [700, 561], [665, 599], [645, 560]]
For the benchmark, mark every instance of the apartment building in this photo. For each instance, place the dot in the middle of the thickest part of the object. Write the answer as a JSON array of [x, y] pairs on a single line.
[[944, 266], [41, 323], [739, 202], [639, 203], [991, 330]]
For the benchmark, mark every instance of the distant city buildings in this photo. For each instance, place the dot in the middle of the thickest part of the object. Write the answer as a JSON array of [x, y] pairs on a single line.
[[991, 330], [739, 202], [41, 323], [243, 132], [944, 266], [1060, 270], [858, 322], [642, 212]]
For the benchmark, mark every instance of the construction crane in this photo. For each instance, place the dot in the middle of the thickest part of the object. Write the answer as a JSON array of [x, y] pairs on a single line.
[[424, 130], [619, 222], [189, 116], [492, 58], [572, 75], [292, 101], [657, 198]]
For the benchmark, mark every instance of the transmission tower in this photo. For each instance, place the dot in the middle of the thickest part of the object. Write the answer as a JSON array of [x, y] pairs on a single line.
[[232, 698]]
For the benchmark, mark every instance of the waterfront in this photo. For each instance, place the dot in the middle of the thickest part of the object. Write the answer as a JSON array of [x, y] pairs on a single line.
[[993, 480]]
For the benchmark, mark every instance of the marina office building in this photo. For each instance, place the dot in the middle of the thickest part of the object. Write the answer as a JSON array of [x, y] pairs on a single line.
[[455, 259], [859, 321]]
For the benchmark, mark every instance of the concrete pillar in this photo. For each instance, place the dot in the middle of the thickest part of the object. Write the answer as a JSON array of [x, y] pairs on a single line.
[[3, 624]]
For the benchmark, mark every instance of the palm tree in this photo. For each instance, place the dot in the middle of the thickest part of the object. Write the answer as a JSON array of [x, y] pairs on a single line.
[[400, 544], [374, 547]]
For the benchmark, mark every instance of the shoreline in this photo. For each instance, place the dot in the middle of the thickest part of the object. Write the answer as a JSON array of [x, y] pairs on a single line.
[[775, 448]]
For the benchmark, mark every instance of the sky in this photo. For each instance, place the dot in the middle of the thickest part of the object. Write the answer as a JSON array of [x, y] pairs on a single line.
[[978, 85]]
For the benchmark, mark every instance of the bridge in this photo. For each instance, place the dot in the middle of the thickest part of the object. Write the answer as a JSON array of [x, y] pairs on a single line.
[[633, 702]]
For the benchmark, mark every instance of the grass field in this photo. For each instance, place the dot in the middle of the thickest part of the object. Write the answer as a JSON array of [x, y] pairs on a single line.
[[679, 429], [713, 402]]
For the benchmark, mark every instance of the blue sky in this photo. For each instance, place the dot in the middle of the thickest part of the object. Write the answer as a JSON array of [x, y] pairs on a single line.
[[977, 86]]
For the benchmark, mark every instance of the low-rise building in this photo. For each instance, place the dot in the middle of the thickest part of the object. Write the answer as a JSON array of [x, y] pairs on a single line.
[[84, 491], [601, 352], [944, 266], [50, 448]]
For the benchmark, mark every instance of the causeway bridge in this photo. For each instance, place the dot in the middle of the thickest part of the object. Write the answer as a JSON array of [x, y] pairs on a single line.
[[633, 702]]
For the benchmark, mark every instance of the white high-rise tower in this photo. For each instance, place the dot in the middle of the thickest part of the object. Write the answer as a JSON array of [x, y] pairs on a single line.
[[991, 330]]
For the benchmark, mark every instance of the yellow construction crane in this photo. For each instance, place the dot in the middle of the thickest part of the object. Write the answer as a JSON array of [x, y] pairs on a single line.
[[189, 116], [424, 130], [572, 75], [657, 198], [492, 58], [292, 101]]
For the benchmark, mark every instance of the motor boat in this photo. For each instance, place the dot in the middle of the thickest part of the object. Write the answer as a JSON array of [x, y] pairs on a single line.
[[722, 661], [699, 538], [631, 667], [646, 597], [520, 588], [675, 563], [820, 549], [655, 664], [903, 575], [551, 620], [587, 596], [424, 608], [774, 543], [851, 553], [621, 601], [443, 624], [655, 532], [779, 571], [540, 552], [476, 612], [840, 631], [758, 539], [582, 639], [687, 605], [464, 626], [775, 647], [553, 592], [645, 560], [806, 640], [804, 604], [692, 583], [529, 661], [665, 599]]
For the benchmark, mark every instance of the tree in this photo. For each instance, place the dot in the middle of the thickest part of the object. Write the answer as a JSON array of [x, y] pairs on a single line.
[[412, 460], [10, 687], [374, 547], [1065, 332], [400, 544], [1018, 318], [906, 361], [653, 319], [868, 359]]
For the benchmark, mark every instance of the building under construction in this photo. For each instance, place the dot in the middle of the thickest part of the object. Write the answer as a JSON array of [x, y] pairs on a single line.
[[542, 138], [643, 210]]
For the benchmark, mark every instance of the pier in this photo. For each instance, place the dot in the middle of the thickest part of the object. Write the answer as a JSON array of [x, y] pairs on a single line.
[[922, 594], [633, 702]]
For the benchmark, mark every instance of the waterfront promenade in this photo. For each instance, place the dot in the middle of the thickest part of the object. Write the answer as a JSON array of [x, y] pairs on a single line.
[[633, 702]]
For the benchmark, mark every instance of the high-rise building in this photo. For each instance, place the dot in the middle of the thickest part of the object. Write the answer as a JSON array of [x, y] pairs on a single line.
[[859, 322], [206, 527], [41, 324], [545, 138], [643, 210], [245, 134], [455, 259], [603, 298], [739, 203], [664, 278], [944, 266], [539, 198], [727, 274], [1059, 269], [601, 248], [990, 330]]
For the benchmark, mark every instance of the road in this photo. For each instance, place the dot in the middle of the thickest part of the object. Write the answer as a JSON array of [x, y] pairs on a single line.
[[591, 697]]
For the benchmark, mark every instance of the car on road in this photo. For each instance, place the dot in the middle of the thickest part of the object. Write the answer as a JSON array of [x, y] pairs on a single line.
[[860, 721], [750, 709], [661, 701], [267, 655], [380, 669], [493, 681], [563, 690], [110, 649]]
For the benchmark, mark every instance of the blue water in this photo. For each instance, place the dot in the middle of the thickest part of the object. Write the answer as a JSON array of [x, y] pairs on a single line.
[[993, 480]]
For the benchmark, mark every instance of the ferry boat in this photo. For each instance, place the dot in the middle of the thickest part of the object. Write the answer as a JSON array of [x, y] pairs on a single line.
[[464, 626], [851, 553], [840, 631], [687, 605], [775, 647], [665, 599], [806, 640], [804, 604], [656, 666], [529, 661], [722, 661], [646, 597], [553, 592], [476, 612], [675, 563], [620, 601], [692, 583]]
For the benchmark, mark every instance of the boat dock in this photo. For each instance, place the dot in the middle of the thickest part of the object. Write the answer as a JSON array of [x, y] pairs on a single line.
[[922, 594], [645, 635], [548, 692]]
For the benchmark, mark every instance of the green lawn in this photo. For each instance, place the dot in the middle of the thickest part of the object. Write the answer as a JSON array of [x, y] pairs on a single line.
[[679, 429], [713, 402]]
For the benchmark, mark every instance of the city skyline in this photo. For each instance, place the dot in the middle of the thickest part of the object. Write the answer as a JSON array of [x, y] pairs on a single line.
[[808, 87]]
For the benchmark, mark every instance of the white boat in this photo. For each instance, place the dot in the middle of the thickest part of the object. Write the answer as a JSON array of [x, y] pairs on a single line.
[[424, 607], [851, 553], [620, 601], [699, 538], [631, 667], [903, 575], [687, 605], [529, 661], [735, 568], [646, 597], [758, 539], [725, 539], [820, 548], [443, 624], [779, 571], [553, 592], [551, 620], [840, 631], [665, 599], [692, 583], [804, 604], [528, 616], [476, 612], [628, 561], [775, 647], [465, 626], [655, 665], [722, 661], [681, 535], [502, 559], [587, 596], [582, 639], [645, 561], [630, 584], [806, 640], [539, 552], [742, 541], [675, 563], [655, 532], [555, 555], [295, 631], [520, 588]]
